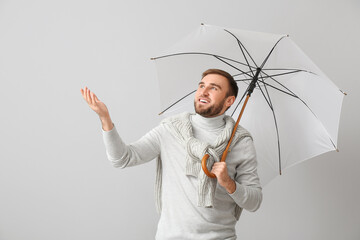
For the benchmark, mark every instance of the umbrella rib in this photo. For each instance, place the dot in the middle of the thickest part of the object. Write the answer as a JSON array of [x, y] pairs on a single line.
[[200, 53], [177, 102], [267, 57], [267, 92], [221, 58], [287, 69], [242, 46], [267, 84], [231, 65], [282, 74], [268, 76], [275, 75], [268, 99], [237, 105], [239, 74], [242, 51], [294, 95], [229, 59], [243, 80]]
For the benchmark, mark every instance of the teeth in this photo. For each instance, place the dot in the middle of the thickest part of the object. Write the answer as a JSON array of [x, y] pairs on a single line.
[[202, 100]]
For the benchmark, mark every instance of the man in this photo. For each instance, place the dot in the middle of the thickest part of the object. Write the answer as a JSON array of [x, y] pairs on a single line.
[[193, 206]]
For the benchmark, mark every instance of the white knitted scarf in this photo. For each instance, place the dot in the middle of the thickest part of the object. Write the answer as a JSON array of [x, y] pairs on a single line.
[[180, 127]]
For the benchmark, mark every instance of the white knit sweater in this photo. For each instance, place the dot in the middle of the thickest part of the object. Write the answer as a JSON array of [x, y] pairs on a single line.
[[181, 218]]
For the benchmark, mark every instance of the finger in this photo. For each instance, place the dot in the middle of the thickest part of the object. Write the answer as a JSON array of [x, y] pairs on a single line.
[[215, 168], [95, 98], [216, 164], [219, 165], [88, 96], [83, 93], [215, 172], [92, 98], [219, 169]]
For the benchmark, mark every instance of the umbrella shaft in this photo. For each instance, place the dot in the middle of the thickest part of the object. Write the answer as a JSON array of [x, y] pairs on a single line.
[[223, 158], [253, 82]]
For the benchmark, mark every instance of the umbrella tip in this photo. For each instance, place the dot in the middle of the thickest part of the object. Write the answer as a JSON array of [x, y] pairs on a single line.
[[202, 24], [152, 58], [343, 92], [337, 150], [161, 113]]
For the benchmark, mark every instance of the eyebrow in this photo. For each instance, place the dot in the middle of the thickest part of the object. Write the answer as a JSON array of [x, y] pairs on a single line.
[[212, 84]]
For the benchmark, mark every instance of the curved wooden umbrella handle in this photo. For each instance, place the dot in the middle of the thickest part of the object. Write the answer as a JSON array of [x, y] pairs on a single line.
[[203, 164]]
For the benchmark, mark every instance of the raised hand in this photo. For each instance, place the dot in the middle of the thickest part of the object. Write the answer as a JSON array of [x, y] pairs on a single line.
[[94, 103], [98, 107]]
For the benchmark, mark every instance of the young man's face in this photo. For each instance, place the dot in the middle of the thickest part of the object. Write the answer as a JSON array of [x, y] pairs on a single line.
[[210, 97]]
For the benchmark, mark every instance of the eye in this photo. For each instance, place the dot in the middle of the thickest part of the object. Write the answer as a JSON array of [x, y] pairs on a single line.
[[214, 88]]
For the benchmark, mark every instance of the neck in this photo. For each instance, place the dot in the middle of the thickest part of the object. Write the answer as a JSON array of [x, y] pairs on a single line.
[[208, 122]]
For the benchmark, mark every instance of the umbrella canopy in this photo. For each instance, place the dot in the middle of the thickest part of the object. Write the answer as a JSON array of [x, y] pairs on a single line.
[[294, 110]]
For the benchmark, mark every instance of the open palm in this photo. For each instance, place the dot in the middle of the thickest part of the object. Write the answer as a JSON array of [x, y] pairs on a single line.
[[94, 103]]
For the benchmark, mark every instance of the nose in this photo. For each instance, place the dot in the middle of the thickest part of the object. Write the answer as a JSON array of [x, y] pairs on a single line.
[[205, 91]]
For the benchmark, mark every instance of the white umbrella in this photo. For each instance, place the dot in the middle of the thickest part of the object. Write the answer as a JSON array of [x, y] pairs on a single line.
[[294, 111]]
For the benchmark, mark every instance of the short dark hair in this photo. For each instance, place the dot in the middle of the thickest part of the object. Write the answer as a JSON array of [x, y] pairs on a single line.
[[233, 87]]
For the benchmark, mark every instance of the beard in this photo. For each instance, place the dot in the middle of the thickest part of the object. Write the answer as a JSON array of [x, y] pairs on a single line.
[[210, 111]]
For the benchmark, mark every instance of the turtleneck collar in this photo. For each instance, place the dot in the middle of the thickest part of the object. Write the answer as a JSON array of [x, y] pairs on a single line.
[[208, 123]]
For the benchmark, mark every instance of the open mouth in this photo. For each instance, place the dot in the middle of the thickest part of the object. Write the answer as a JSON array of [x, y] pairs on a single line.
[[202, 100]]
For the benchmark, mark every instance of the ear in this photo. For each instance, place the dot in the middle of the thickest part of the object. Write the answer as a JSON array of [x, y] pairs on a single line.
[[229, 101]]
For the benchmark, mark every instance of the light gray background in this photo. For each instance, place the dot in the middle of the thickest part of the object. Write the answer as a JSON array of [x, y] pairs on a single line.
[[55, 180]]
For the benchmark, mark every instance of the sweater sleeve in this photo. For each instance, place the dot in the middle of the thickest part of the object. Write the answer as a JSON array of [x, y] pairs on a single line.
[[121, 155], [248, 193]]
